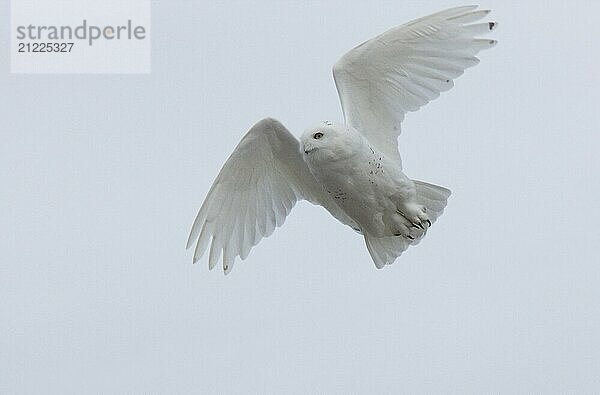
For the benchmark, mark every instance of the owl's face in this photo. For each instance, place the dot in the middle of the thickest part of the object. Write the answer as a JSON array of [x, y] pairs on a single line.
[[329, 141]]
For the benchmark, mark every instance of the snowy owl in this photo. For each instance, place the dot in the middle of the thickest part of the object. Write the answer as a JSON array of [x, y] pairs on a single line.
[[354, 169]]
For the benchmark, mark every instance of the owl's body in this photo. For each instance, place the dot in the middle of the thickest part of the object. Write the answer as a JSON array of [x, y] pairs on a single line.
[[367, 185]]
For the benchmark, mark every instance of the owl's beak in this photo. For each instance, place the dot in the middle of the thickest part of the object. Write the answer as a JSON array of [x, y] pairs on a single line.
[[308, 149]]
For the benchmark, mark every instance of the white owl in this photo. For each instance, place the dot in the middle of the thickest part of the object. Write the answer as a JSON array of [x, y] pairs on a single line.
[[354, 169]]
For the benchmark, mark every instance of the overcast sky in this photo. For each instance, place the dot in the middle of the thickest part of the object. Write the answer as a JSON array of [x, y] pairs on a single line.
[[102, 176]]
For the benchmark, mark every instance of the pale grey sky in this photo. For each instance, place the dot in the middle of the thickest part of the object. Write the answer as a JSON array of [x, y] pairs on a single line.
[[102, 176]]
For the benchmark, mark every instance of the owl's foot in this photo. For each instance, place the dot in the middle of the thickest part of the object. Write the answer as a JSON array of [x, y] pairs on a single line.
[[416, 214], [405, 228]]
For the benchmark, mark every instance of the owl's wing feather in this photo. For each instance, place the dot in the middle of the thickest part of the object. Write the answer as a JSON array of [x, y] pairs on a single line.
[[403, 69], [254, 192]]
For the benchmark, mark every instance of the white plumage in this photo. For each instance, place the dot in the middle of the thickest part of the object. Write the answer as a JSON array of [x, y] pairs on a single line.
[[353, 170]]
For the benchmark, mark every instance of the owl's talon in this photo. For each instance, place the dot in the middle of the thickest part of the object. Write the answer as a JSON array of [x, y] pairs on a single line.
[[415, 214]]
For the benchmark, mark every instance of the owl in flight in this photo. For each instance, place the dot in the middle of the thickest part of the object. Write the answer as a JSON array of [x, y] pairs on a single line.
[[352, 169]]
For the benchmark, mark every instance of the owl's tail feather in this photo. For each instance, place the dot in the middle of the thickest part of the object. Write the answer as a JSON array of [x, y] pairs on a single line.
[[385, 250]]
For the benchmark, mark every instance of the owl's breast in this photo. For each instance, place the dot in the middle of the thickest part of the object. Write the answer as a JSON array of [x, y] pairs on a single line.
[[360, 186]]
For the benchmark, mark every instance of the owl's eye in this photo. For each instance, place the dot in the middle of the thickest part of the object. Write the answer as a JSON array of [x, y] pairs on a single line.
[[317, 135]]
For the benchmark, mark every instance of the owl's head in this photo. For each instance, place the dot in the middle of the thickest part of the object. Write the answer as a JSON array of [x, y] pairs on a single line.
[[329, 140]]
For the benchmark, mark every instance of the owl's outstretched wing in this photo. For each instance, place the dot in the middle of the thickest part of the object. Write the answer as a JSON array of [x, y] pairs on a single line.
[[254, 192], [406, 67]]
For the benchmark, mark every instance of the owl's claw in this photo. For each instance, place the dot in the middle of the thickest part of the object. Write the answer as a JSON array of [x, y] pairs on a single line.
[[416, 214], [411, 221], [407, 236]]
